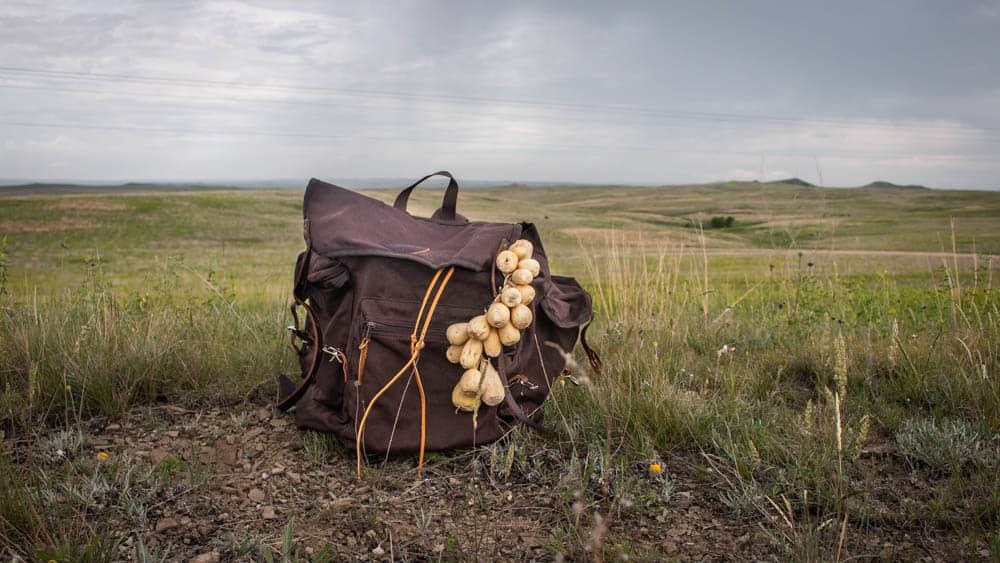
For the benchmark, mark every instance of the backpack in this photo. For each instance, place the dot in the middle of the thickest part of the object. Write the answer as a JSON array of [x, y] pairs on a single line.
[[379, 288]]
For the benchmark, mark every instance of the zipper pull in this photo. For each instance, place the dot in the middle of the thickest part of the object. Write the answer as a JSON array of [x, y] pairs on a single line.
[[363, 347]]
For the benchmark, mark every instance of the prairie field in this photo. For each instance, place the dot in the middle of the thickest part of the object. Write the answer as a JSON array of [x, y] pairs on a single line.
[[790, 373]]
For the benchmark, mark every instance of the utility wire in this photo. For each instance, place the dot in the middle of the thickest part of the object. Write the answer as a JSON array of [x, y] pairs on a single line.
[[587, 118], [245, 85], [486, 142]]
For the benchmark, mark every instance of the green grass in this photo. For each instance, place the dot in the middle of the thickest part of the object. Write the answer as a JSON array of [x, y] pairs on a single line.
[[767, 361]]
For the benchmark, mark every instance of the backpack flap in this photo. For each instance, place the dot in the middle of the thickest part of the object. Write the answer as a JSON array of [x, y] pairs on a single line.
[[344, 223]]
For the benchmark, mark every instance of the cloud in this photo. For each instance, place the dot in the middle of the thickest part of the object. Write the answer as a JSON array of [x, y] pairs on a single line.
[[629, 94]]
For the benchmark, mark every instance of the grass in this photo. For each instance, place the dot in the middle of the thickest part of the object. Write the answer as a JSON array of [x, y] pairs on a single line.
[[766, 361]]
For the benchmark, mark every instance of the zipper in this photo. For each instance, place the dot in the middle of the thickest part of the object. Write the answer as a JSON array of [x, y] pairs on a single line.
[[436, 332]]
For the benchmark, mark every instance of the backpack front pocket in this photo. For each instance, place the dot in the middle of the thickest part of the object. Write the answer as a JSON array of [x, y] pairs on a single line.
[[383, 351]]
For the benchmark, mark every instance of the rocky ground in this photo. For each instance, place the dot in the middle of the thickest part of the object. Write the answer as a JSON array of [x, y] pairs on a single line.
[[238, 483]]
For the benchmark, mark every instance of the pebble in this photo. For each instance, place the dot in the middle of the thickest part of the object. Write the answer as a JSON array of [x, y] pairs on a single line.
[[268, 513], [112, 427], [207, 557], [165, 524], [256, 495], [341, 503], [158, 455]]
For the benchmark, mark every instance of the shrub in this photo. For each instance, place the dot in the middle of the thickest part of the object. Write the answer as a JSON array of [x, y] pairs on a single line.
[[946, 446], [721, 222]]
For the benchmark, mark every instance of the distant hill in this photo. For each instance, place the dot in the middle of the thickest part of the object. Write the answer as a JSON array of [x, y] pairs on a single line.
[[794, 182], [882, 184], [41, 188]]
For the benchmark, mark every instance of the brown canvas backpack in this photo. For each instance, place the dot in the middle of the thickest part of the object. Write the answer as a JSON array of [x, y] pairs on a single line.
[[379, 287]]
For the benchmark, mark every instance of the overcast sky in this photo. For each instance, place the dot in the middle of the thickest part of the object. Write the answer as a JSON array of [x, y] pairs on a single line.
[[662, 92]]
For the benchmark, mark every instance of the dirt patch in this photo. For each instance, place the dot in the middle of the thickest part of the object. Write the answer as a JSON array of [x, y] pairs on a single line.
[[65, 224], [87, 205], [237, 477]]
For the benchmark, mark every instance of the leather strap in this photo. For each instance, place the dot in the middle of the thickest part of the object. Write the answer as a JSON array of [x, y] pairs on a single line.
[[512, 405], [302, 266], [308, 375], [448, 204], [592, 357]]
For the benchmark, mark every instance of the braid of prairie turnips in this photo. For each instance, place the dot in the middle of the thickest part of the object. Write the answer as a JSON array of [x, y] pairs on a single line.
[[473, 343]]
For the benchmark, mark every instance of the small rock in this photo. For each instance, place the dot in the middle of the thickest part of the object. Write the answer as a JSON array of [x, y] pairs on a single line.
[[370, 534], [341, 503], [251, 434], [172, 434], [256, 495], [112, 427], [378, 551], [207, 557], [268, 513], [165, 524], [158, 455]]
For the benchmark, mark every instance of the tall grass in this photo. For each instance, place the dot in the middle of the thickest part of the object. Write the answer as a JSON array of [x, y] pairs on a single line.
[[773, 385], [97, 350], [777, 385]]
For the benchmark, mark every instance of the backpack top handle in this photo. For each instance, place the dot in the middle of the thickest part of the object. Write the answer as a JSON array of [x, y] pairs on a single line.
[[447, 211]]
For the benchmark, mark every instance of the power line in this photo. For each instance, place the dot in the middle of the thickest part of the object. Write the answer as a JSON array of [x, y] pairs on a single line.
[[486, 142], [629, 109], [451, 113]]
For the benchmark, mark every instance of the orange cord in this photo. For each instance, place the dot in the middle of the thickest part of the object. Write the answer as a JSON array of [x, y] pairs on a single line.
[[362, 359], [416, 372], [416, 345]]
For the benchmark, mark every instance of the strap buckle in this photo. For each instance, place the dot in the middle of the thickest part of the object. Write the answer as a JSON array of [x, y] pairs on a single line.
[[335, 353], [294, 333]]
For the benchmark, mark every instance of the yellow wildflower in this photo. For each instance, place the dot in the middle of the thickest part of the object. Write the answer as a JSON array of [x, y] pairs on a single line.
[[655, 468], [69, 387], [103, 455]]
